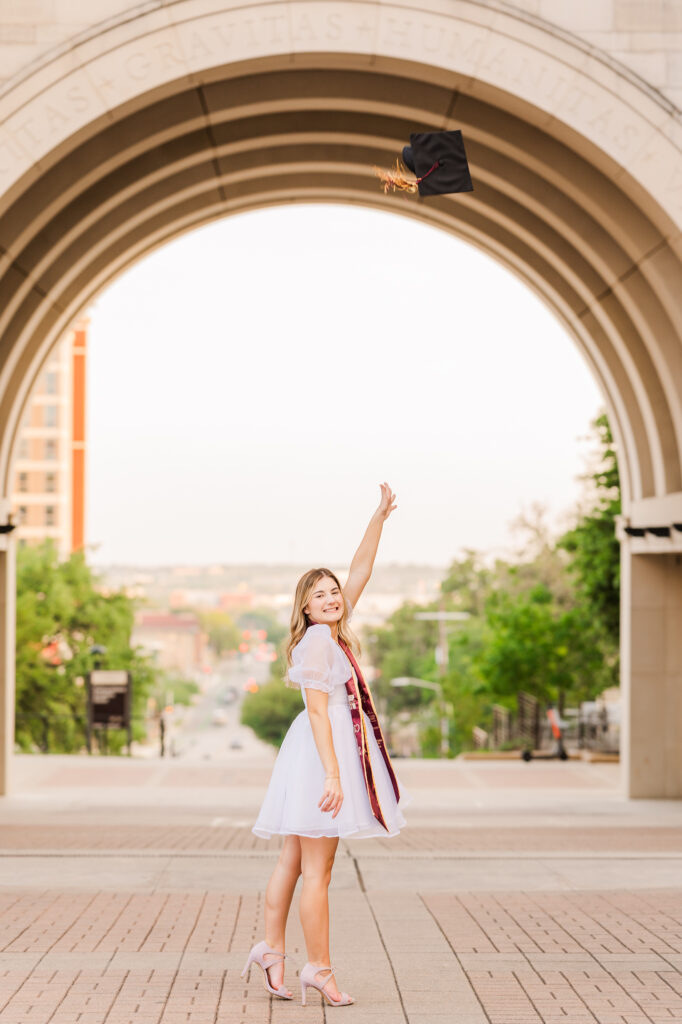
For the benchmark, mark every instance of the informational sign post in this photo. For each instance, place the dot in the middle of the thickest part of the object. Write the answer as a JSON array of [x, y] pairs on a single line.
[[109, 693]]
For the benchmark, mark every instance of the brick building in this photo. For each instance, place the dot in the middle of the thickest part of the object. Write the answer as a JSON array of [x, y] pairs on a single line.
[[48, 498]]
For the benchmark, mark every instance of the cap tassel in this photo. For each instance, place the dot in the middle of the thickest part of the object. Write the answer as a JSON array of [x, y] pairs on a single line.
[[397, 179]]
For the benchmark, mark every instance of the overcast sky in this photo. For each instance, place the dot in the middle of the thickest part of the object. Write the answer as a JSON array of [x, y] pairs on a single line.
[[250, 384]]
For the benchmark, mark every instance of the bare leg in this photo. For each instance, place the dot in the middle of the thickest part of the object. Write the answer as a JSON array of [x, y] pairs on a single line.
[[317, 860], [278, 896]]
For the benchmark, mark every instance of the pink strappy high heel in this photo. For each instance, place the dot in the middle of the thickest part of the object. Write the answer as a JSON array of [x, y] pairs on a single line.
[[307, 978], [257, 956]]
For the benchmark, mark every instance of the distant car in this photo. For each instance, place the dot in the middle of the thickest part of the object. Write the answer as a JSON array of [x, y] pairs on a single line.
[[236, 743], [220, 716], [230, 695]]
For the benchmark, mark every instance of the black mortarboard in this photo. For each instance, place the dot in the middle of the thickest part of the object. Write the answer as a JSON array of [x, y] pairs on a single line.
[[437, 160]]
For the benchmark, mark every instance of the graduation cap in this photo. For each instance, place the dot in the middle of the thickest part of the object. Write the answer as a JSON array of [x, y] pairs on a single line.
[[437, 160]]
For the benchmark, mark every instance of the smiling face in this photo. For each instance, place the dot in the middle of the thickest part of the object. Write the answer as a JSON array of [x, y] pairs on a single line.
[[326, 601]]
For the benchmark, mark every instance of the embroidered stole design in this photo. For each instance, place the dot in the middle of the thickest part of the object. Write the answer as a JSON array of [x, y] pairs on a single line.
[[359, 700]]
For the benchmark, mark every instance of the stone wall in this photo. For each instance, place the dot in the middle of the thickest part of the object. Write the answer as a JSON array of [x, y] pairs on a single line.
[[644, 35]]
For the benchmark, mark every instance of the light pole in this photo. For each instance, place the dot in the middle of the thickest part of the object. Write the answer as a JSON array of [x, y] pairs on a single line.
[[442, 661], [441, 617], [425, 684]]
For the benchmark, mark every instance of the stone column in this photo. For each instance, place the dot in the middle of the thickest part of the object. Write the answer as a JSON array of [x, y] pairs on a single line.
[[651, 673], [8, 599]]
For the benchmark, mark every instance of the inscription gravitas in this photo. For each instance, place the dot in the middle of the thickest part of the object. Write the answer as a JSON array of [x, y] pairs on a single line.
[[201, 44]]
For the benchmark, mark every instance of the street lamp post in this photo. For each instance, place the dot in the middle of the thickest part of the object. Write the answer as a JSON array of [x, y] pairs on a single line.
[[97, 652], [437, 688], [442, 661], [441, 617]]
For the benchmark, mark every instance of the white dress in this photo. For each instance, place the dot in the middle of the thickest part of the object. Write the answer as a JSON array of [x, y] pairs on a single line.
[[297, 781]]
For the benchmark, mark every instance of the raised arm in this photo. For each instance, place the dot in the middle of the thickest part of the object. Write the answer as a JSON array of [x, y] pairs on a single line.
[[363, 559]]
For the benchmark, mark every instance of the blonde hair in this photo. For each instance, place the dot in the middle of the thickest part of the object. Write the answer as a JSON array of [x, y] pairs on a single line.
[[300, 621]]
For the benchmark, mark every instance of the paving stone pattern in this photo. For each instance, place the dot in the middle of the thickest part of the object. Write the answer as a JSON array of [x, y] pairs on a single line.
[[119, 957], [415, 839], [132, 914]]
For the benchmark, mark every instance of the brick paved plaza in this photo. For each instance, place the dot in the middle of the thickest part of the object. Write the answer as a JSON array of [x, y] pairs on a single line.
[[131, 891]]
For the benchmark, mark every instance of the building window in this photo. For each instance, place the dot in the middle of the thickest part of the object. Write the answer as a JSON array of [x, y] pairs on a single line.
[[50, 449], [49, 515], [50, 482], [50, 416], [23, 513], [23, 448], [51, 382], [23, 482]]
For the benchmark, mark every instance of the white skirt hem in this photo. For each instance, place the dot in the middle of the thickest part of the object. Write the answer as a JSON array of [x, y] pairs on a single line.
[[297, 782], [358, 834], [369, 832]]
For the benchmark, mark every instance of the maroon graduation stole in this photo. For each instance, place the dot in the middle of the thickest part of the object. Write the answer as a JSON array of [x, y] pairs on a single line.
[[359, 700]]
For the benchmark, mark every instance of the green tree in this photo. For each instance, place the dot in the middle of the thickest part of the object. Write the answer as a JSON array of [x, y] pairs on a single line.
[[404, 646], [61, 614], [469, 582], [538, 561], [543, 622], [273, 707], [471, 704], [592, 545], [531, 645]]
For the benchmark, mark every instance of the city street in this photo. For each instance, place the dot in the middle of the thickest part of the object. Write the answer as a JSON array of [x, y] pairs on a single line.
[[210, 729], [131, 891]]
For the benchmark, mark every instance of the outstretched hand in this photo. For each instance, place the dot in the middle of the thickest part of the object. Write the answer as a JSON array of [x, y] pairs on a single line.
[[386, 505]]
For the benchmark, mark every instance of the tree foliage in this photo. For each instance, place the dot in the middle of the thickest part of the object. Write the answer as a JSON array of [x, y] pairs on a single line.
[[272, 708], [531, 644], [592, 544], [61, 614], [545, 622]]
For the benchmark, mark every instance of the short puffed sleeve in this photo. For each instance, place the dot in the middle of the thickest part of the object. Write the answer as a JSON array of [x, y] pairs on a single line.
[[312, 659]]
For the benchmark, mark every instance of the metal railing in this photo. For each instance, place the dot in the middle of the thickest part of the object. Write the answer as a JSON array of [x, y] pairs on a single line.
[[592, 726]]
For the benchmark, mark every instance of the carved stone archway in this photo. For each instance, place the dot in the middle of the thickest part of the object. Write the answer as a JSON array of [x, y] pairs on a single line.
[[171, 115]]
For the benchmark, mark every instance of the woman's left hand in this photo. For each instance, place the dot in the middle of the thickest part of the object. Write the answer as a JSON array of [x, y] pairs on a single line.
[[386, 505]]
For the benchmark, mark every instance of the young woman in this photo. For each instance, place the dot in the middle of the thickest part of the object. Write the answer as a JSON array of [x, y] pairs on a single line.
[[332, 776]]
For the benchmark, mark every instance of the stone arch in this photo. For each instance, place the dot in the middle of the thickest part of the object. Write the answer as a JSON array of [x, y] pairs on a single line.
[[171, 115]]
